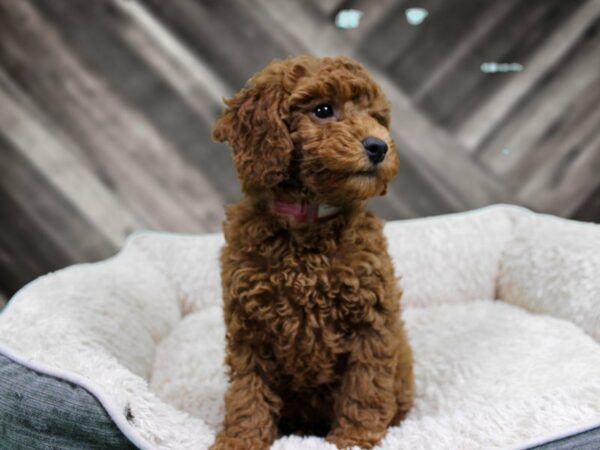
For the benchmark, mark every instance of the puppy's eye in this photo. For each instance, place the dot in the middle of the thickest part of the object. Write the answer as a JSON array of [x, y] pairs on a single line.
[[323, 111], [383, 120]]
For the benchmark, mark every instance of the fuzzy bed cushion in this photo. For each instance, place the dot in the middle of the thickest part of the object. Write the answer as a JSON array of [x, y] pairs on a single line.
[[502, 307]]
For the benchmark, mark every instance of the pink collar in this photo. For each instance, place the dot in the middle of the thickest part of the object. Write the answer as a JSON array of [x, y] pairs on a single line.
[[304, 212]]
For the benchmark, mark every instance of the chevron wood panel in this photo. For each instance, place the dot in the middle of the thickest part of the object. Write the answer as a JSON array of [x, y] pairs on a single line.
[[106, 109]]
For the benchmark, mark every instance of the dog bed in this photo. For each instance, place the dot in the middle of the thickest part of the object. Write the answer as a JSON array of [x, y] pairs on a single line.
[[502, 308]]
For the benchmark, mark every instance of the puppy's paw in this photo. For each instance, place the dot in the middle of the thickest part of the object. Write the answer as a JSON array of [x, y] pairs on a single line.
[[353, 439], [223, 442], [346, 443]]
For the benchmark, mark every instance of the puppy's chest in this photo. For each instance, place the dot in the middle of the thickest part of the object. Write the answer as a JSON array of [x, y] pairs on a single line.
[[305, 308], [307, 331], [313, 292]]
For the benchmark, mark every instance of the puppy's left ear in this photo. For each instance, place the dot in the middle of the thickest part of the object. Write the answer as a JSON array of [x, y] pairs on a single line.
[[253, 125]]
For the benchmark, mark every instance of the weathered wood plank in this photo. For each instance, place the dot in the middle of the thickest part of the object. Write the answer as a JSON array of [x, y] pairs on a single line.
[[20, 258], [589, 211], [532, 134], [482, 27], [409, 195], [152, 179], [233, 39], [374, 13], [449, 172], [474, 130], [579, 122], [441, 33], [393, 35], [23, 258], [568, 180], [327, 7], [465, 88], [39, 231], [197, 83], [55, 157], [75, 237], [182, 117]]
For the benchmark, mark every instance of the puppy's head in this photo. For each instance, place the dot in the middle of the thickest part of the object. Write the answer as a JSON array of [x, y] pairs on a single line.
[[319, 126]]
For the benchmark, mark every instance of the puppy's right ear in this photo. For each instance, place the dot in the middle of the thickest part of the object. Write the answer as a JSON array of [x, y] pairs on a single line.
[[253, 125]]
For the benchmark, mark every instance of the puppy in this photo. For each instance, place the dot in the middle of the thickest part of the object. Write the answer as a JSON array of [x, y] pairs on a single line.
[[315, 341]]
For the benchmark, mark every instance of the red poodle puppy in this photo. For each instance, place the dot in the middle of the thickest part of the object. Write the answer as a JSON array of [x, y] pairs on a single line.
[[315, 341]]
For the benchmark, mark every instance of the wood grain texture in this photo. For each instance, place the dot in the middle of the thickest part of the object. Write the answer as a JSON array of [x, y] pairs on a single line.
[[574, 89], [142, 161], [554, 48], [393, 36], [589, 211], [50, 153], [106, 110], [35, 236]]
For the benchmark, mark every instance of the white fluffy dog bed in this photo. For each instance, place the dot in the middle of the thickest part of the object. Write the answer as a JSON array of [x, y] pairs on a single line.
[[502, 308]]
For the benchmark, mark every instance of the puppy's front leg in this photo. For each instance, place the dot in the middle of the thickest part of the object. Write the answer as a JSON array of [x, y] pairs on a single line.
[[365, 403], [250, 411]]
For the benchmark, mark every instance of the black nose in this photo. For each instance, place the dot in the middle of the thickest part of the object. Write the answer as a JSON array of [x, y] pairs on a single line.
[[376, 149]]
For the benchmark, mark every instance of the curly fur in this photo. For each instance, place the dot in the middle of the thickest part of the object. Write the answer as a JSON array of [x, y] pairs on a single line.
[[315, 342]]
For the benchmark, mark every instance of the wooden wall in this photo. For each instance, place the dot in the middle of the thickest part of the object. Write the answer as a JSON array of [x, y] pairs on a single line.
[[106, 108]]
